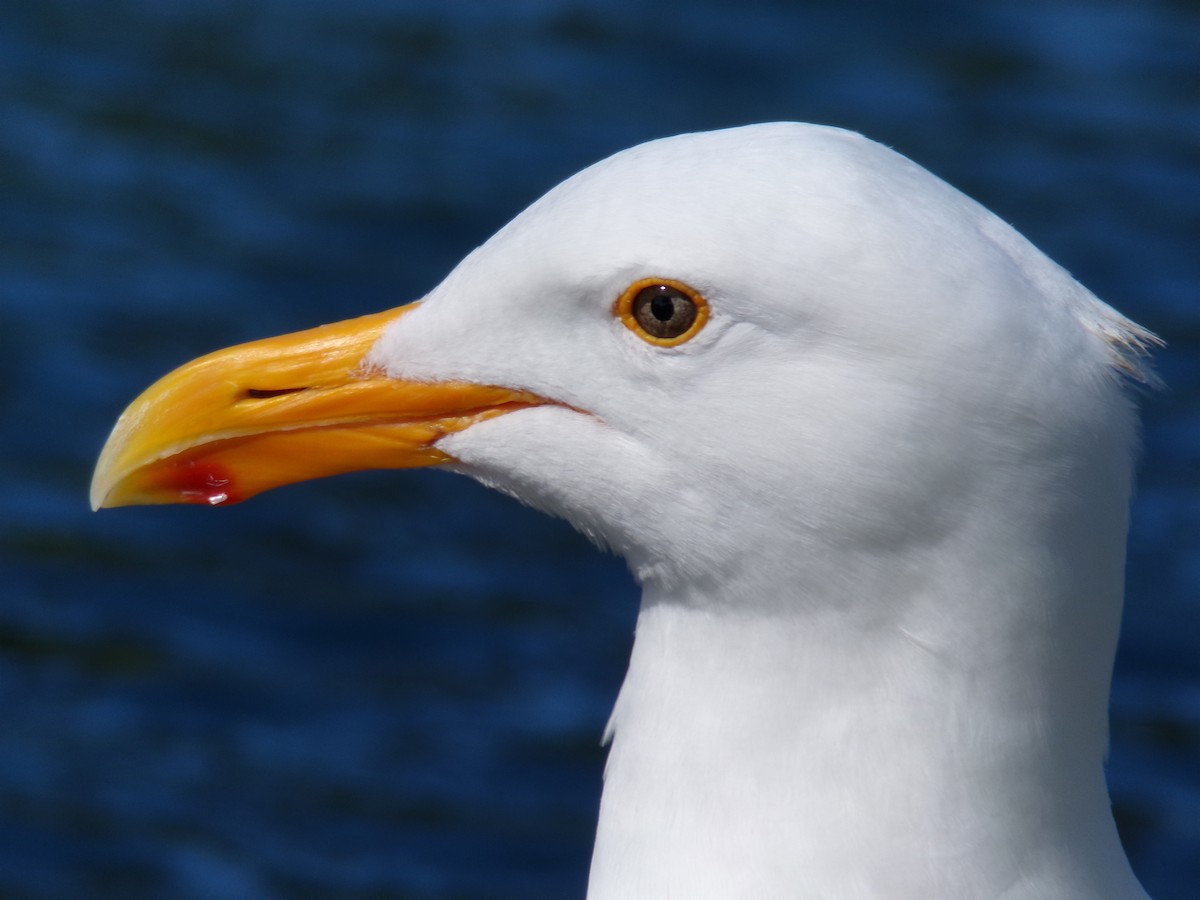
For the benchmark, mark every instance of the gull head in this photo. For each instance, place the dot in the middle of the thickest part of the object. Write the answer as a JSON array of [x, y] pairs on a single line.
[[775, 342]]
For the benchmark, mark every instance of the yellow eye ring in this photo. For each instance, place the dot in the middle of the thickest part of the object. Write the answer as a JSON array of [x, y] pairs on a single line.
[[662, 311]]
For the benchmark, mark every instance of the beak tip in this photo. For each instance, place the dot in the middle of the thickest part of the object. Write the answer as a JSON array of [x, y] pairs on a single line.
[[98, 492], [103, 483]]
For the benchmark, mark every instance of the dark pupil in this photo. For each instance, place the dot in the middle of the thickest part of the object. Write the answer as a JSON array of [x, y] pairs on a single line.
[[662, 308], [663, 312]]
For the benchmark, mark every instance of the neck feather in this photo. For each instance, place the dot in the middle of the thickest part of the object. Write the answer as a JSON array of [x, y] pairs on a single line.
[[945, 743]]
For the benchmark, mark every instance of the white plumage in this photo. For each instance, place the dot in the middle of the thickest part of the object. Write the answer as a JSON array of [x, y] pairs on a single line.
[[877, 507]]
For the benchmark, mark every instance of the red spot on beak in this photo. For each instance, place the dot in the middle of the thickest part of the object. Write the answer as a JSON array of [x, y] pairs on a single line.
[[199, 481]]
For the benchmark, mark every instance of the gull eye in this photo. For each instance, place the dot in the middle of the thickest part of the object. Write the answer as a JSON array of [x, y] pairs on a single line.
[[662, 311]]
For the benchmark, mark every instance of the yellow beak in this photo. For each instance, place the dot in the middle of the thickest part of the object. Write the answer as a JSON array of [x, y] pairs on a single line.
[[240, 421]]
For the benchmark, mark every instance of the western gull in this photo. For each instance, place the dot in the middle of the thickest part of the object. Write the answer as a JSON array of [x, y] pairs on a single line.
[[867, 451]]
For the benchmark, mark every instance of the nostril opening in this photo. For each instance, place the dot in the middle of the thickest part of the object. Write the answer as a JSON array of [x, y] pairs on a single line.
[[260, 394]]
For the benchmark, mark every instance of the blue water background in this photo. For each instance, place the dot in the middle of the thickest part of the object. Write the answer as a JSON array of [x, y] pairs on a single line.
[[393, 685]]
